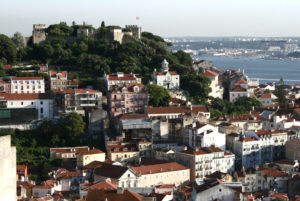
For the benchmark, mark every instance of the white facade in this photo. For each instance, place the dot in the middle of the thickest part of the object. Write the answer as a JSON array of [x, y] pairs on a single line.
[[204, 135], [44, 104], [27, 85], [234, 95], [167, 79], [280, 122], [247, 151], [120, 79]]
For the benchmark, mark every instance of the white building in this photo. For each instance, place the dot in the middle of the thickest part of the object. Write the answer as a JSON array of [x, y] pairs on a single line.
[[120, 79], [27, 85], [280, 122], [267, 99], [216, 89], [204, 135], [247, 151], [167, 79], [205, 161], [238, 92], [41, 102]]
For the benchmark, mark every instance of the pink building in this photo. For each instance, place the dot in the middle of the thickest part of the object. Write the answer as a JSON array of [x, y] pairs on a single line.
[[130, 98], [30, 85], [4, 87]]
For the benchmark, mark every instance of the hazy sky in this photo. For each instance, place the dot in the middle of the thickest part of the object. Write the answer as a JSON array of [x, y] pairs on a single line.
[[162, 17]]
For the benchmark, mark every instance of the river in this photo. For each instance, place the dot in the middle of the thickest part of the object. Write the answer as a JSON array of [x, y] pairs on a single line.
[[262, 69]]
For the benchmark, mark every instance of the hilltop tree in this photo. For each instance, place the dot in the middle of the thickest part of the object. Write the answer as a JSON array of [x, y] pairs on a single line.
[[102, 24], [159, 96], [279, 92], [8, 49], [248, 102], [19, 40]]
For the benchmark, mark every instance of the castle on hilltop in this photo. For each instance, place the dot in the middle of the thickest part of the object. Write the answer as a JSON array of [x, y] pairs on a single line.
[[130, 33]]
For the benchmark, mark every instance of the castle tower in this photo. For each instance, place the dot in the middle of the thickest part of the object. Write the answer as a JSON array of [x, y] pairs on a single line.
[[38, 33], [164, 66], [136, 30]]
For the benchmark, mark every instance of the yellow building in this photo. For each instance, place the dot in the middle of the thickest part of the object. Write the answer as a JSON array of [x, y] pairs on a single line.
[[122, 153], [86, 157], [67, 152], [165, 173]]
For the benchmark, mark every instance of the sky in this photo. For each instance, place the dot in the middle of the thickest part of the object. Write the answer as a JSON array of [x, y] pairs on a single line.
[[167, 18]]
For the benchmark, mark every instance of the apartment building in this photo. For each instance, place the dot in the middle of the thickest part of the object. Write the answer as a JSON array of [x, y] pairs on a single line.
[[205, 161], [216, 89], [120, 79], [21, 85], [123, 153], [130, 98], [42, 103], [159, 174], [58, 80]]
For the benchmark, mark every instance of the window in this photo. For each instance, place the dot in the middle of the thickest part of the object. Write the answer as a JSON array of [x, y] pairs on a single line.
[[41, 102], [21, 103], [42, 110]]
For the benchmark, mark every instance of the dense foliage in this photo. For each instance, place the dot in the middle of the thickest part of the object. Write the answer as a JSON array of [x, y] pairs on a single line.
[[243, 105], [280, 93], [33, 145], [159, 96], [8, 51]]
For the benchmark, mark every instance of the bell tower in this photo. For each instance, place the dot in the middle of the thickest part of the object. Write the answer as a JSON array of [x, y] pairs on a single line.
[[164, 66]]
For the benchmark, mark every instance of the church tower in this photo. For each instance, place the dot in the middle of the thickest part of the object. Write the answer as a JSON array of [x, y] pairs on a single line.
[[164, 66]]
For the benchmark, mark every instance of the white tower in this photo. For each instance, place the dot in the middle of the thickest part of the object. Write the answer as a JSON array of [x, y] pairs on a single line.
[[165, 66]]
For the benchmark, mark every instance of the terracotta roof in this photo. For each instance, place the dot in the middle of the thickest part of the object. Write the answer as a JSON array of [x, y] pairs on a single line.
[[122, 148], [245, 117], [83, 91], [21, 167], [297, 110], [240, 174], [164, 167], [129, 88], [110, 171], [164, 73], [268, 132], [151, 161], [124, 77], [199, 151], [133, 116], [67, 175], [241, 82], [27, 78], [176, 110], [274, 173], [7, 66], [70, 149], [26, 184], [95, 164], [238, 89], [248, 139], [93, 151], [105, 185], [265, 96], [53, 73], [112, 195], [66, 91], [209, 73], [36, 96]]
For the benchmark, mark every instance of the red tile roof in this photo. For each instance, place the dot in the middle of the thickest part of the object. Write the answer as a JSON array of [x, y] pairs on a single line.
[[83, 91], [6, 96], [27, 78], [165, 186], [164, 167], [164, 73], [133, 116], [124, 77], [209, 73], [248, 139], [105, 185], [176, 110], [122, 148], [67, 175], [265, 96], [70, 149], [274, 173], [53, 73], [239, 89], [112, 195], [7, 66], [241, 82], [93, 151]]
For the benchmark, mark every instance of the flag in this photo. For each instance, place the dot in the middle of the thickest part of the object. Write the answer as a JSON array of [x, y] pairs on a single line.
[[137, 18]]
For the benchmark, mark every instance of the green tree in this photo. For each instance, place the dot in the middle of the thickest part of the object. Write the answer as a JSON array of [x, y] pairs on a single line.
[[184, 58], [159, 96], [102, 24], [8, 49], [72, 127], [279, 92], [2, 72], [248, 102], [19, 40]]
